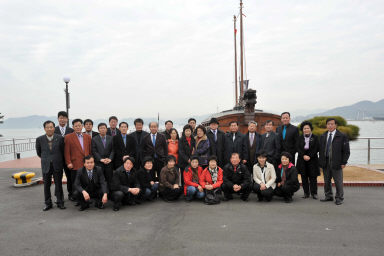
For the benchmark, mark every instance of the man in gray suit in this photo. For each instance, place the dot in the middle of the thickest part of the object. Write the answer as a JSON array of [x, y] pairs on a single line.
[[102, 150], [333, 157], [50, 148]]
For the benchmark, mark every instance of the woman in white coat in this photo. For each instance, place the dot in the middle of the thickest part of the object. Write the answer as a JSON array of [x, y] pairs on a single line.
[[264, 177]]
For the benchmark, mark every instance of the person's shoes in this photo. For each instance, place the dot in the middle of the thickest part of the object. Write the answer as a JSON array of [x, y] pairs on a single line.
[[77, 204], [83, 207], [71, 198], [137, 201], [288, 199], [61, 207], [260, 199], [101, 206], [338, 202], [245, 199], [227, 198], [329, 199], [306, 196], [188, 200], [314, 197], [47, 207], [131, 203], [115, 208]]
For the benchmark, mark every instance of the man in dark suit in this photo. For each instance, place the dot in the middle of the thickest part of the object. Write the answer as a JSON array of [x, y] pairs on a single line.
[[102, 150], [334, 154], [90, 184], [155, 146], [123, 145], [168, 127], [217, 141], [112, 130], [288, 135], [192, 123], [88, 126], [138, 136], [253, 144], [77, 146], [235, 143], [236, 179], [270, 144], [50, 148], [62, 129], [125, 185]]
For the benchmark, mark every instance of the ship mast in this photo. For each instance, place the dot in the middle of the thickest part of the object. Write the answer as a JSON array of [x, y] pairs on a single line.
[[241, 51], [234, 32]]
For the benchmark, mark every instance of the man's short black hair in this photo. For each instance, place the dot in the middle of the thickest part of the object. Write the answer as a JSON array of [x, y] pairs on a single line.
[[76, 121], [233, 122], [289, 114], [102, 124], [138, 120], [269, 121], [88, 121], [62, 113], [48, 122], [123, 123], [191, 119], [87, 158], [235, 153], [112, 118], [168, 121], [130, 159], [330, 119]]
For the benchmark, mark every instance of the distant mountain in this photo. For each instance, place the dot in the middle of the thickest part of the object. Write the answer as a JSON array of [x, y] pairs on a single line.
[[359, 111], [37, 121]]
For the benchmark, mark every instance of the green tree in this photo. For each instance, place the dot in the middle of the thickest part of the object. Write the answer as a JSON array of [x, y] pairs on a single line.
[[320, 126]]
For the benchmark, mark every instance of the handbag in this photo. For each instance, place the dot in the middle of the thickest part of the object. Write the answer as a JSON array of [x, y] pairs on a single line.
[[212, 196]]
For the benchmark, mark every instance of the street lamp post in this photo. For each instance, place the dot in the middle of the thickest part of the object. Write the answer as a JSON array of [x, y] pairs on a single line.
[[66, 81]]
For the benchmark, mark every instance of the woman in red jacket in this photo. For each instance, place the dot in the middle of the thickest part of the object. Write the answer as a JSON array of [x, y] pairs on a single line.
[[212, 176], [192, 175]]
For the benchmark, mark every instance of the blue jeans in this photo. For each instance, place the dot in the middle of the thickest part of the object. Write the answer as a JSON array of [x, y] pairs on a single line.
[[194, 192], [149, 193]]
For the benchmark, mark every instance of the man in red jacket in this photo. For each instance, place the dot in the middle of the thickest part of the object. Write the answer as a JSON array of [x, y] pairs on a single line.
[[77, 146]]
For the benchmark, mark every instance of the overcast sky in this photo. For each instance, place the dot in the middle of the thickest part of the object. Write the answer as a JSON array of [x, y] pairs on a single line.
[[137, 58]]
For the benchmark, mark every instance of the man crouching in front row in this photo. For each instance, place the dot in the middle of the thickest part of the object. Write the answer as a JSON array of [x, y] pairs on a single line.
[[90, 184], [125, 185]]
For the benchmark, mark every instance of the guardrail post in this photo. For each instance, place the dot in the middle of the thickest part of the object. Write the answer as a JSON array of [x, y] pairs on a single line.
[[14, 148], [369, 151]]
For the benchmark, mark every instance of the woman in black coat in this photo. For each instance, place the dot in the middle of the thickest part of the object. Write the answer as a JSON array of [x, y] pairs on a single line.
[[286, 178], [186, 145], [307, 160]]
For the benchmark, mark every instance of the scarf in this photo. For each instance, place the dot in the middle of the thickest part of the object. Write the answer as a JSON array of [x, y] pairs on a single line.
[[284, 171], [195, 174], [213, 174], [306, 140]]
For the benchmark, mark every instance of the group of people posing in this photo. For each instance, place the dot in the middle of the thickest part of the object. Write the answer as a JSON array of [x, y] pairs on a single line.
[[203, 164]]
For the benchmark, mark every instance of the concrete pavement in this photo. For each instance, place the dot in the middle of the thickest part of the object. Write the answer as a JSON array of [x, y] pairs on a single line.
[[306, 226]]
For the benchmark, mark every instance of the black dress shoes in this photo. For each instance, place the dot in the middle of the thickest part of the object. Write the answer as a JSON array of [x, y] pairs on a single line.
[[61, 206], [71, 198], [83, 207], [115, 208], [305, 196], [329, 199], [47, 207], [288, 200], [314, 197], [338, 202]]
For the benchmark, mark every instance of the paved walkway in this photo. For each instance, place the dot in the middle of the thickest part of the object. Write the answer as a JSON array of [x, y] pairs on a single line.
[[304, 227]]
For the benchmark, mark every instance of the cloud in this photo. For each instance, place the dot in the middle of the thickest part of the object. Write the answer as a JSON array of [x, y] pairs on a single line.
[[135, 58]]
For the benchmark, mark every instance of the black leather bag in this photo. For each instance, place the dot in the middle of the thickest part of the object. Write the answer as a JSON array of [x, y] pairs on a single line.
[[212, 196]]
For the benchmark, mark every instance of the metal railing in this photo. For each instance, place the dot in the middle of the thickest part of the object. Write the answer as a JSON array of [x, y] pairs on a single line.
[[369, 148], [18, 145], [15, 146]]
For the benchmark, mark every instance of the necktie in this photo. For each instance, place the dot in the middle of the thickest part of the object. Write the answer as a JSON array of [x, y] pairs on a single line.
[[251, 139], [125, 140], [234, 137], [103, 139], [284, 132], [90, 175], [62, 131], [329, 143], [153, 139], [113, 132], [215, 132]]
